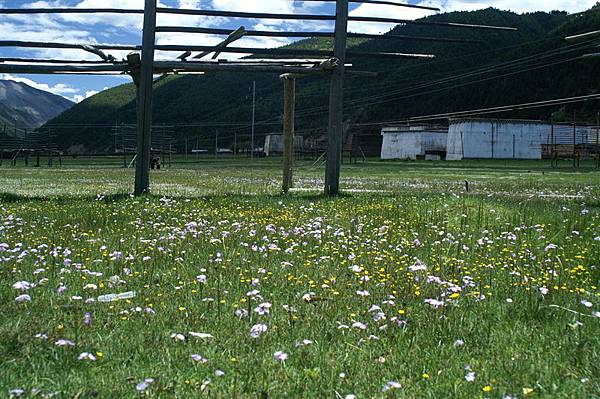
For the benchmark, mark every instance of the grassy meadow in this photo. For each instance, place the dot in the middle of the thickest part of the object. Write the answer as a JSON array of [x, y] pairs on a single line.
[[406, 286]]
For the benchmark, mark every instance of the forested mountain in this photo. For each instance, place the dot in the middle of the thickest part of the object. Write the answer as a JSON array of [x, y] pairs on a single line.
[[27, 107], [497, 68]]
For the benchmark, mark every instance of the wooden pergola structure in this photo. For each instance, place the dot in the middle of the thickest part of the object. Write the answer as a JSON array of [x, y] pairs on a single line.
[[142, 66]]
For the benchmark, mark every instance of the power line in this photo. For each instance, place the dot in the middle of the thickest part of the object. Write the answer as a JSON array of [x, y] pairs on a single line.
[[483, 111]]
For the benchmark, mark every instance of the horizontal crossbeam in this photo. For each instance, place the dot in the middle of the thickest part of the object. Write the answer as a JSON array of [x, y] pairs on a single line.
[[234, 50], [245, 15], [309, 17], [380, 2], [261, 33], [52, 61], [162, 67]]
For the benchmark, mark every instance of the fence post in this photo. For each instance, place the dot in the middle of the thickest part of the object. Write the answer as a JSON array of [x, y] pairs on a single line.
[[144, 105], [235, 151], [574, 140], [336, 102], [216, 144], [186, 146], [289, 100]]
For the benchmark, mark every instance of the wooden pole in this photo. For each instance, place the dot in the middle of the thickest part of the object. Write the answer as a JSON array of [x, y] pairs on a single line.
[[122, 131], [1, 142], [289, 107], [216, 144], [253, 116], [235, 144], [336, 102], [597, 128], [144, 105], [574, 139]]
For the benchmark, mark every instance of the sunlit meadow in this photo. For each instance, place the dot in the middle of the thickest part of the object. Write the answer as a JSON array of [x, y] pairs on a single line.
[[407, 286]]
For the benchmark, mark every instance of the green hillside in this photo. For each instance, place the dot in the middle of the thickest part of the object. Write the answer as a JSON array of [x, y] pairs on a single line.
[[463, 76]]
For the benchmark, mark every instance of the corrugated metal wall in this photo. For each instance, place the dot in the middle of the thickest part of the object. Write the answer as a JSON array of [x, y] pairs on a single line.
[[403, 144], [496, 139]]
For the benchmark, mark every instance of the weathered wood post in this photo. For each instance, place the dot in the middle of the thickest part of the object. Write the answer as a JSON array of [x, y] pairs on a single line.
[[186, 146], [144, 101], [235, 150], [574, 139], [289, 107], [336, 102], [1, 147], [216, 144]]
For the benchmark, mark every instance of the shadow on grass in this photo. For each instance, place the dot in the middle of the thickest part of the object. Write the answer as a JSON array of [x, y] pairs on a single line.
[[7, 197], [16, 198]]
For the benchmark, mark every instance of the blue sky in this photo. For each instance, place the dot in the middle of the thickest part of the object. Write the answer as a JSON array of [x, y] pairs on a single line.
[[118, 29]]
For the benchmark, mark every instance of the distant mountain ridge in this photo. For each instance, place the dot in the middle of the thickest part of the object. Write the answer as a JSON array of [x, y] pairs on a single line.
[[27, 107], [481, 73]]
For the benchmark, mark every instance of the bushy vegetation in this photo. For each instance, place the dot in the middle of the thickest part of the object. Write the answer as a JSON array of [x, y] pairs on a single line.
[[406, 286]]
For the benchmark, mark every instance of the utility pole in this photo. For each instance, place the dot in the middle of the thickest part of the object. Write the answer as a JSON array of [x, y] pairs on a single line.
[[216, 144], [574, 139], [597, 140], [336, 102], [186, 146], [122, 131], [289, 100], [253, 116], [115, 131], [235, 143], [552, 144], [144, 97], [597, 128]]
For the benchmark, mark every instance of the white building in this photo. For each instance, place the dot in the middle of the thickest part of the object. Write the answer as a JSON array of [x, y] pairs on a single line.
[[509, 139], [414, 142], [274, 144]]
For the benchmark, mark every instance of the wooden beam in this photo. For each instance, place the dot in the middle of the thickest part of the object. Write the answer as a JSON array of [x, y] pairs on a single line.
[[583, 35], [75, 46], [50, 61], [381, 2], [336, 103], [163, 67], [144, 105], [245, 15], [263, 33], [235, 50], [289, 106], [312, 17], [67, 10], [290, 52], [232, 37], [64, 69], [174, 66]]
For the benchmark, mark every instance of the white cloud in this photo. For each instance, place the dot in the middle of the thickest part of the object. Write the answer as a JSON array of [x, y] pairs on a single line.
[[79, 98], [519, 6], [60, 89]]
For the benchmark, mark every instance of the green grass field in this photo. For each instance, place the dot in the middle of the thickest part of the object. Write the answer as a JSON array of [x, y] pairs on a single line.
[[406, 286]]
